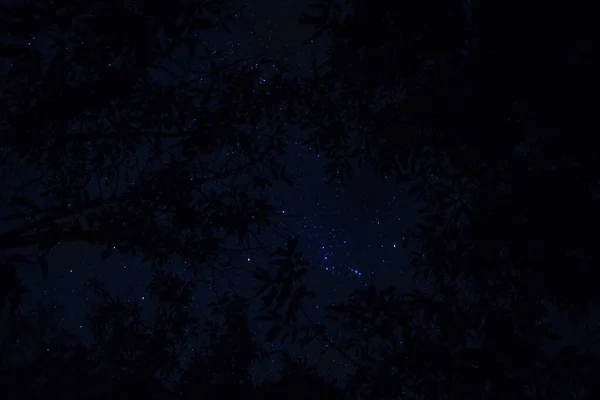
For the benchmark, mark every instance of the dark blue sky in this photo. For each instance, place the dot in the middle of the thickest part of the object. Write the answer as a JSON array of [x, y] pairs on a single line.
[[350, 235]]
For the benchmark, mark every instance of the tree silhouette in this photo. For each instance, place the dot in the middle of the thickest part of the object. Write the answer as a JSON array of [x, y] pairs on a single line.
[[490, 157], [118, 159], [298, 380], [80, 104], [221, 369], [451, 97], [131, 356], [460, 99]]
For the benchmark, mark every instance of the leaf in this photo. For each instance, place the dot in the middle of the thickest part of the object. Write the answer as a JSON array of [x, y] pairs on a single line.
[[318, 6], [273, 317], [285, 336], [273, 333], [314, 36], [191, 46], [268, 299], [320, 329], [261, 182], [261, 274], [13, 50], [106, 252], [306, 340], [263, 288], [43, 266], [24, 202], [288, 181], [292, 244], [17, 259], [307, 19]]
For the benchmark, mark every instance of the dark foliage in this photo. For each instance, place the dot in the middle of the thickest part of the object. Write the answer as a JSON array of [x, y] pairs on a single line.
[[85, 178], [470, 101], [484, 108]]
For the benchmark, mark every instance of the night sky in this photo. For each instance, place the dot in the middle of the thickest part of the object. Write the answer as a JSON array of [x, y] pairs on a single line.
[[350, 235]]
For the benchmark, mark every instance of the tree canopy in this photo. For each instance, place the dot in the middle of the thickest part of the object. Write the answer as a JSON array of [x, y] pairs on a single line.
[[482, 108]]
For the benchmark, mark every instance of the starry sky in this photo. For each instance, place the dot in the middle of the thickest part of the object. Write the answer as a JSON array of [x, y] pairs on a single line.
[[350, 235]]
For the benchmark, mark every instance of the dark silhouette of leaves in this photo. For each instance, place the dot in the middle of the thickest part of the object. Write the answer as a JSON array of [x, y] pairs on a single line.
[[43, 266], [284, 289], [458, 100], [106, 252], [273, 333], [410, 94]]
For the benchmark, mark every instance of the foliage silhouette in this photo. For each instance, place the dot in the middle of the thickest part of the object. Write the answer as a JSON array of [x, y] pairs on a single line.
[[490, 157], [451, 98], [131, 356], [427, 93], [86, 177], [79, 103]]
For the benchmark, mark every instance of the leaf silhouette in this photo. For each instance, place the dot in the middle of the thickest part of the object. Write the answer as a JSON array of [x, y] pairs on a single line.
[[106, 252], [273, 333], [43, 266]]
